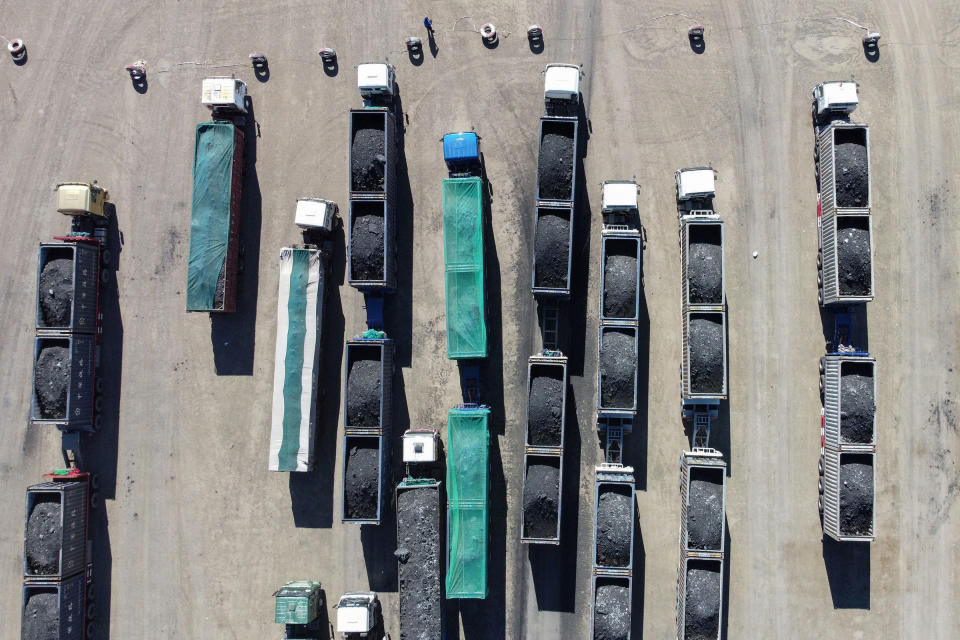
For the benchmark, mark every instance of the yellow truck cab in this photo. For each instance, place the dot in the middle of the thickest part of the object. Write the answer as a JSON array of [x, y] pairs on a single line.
[[81, 199]]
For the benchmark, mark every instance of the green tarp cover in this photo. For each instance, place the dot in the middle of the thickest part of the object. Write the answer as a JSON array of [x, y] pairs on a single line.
[[463, 259], [468, 486], [210, 217]]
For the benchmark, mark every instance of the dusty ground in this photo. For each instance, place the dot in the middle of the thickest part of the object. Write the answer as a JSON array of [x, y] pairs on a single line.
[[200, 534]]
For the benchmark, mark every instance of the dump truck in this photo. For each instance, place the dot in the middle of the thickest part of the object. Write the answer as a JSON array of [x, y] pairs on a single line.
[[557, 164], [844, 258], [463, 246], [612, 575], [847, 500], [703, 495], [699, 598], [368, 422], [468, 494], [621, 256], [543, 448], [297, 606], [359, 616], [702, 262], [843, 167], [422, 614], [835, 98], [617, 371], [58, 566], [848, 387], [212, 268]]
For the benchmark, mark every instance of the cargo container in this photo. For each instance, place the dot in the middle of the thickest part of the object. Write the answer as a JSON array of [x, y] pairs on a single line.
[[81, 313], [297, 358], [702, 263], [613, 518], [58, 607], [848, 499], [552, 251], [621, 249], [845, 182], [845, 258], [55, 530], [463, 247], [371, 252], [468, 492], [611, 611], [66, 400], [557, 165], [704, 366], [542, 496], [849, 388], [418, 552], [617, 371], [700, 580], [212, 267], [547, 401], [373, 149], [703, 496]]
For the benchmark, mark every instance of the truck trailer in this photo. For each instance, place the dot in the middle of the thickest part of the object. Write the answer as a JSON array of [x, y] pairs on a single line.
[[702, 264], [848, 496], [845, 257], [704, 365], [463, 246], [468, 491], [617, 371], [557, 164], [552, 251], [422, 615], [621, 255], [843, 165], [612, 575], [699, 598], [849, 393], [373, 148], [703, 495]]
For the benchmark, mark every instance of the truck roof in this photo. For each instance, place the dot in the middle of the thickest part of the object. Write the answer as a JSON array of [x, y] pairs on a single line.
[[696, 180], [373, 74], [840, 92], [561, 79], [461, 147], [619, 194]]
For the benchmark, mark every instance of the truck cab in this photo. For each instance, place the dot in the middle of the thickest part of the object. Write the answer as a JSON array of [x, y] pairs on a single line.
[[619, 195], [358, 614], [225, 94], [316, 214], [461, 152], [836, 97], [561, 84], [376, 80], [695, 183], [298, 606], [81, 199]]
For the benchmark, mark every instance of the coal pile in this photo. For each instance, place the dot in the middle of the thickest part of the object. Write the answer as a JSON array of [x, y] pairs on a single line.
[[702, 601], [545, 409], [360, 482], [44, 536], [611, 612], [706, 343], [614, 526], [705, 512], [853, 256], [41, 617], [418, 552], [552, 249], [555, 166], [56, 292], [366, 242], [51, 381], [852, 170], [221, 285], [541, 494], [620, 280], [618, 369], [369, 159], [705, 265], [363, 393], [856, 495], [857, 403]]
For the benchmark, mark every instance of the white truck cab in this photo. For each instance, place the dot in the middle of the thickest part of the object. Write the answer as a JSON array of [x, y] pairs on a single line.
[[836, 97], [561, 83], [619, 195], [228, 94], [696, 182], [357, 614], [376, 79], [81, 199], [316, 213], [420, 445]]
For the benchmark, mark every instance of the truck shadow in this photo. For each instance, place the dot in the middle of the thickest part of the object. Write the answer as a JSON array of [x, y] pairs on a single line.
[[233, 334], [573, 340], [398, 311], [859, 333], [725, 607], [848, 573], [639, 579], [635, 448], [379, 542], [492, 380]]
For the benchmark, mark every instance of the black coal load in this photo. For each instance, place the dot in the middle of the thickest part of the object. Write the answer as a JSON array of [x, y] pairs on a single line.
[[221, 286], [363, 392], [852, 169], [614, 512], [618, 369], [545, 407], [611, 612], [361, 488], [366, 241], [418, 532], [856, 495], [56, 292], [541, 492], [620, 280], [44, 536], [706, 353], [705, 511], [853, 255], [555, 166], [41, 617], [51, 381], [857, 403], [702, 601], [552, 249], [369, 159], [705, 264]]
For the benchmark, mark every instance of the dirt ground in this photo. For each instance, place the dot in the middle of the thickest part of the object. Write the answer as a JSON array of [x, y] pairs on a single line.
[[195, 534]]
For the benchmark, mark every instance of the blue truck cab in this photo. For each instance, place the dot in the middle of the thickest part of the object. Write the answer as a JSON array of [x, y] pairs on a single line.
[[461, 152]]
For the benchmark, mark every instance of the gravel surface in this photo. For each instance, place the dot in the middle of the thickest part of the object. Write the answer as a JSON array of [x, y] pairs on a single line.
[[545, 408], [857, 404], [853, 256], [363, 393], [56, 292], [51, 381], [613, 526], [705, 265], [706, 353], [418, 552], [702, 609], [369, 160], [44, 535], [856, 495], [618, 369], [852, 179], [360, 483], [366, 242], [705, 512], [541, 494], [552, 250], [555, 166], [41, 617], [611, 613]]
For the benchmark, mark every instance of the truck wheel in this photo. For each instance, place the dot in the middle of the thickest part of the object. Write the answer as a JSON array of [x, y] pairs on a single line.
[[820, 466], [91, 592], [820, 486], [95, 500], [819, 258], [98, 385], [91, 629], [91, 611], [104, 276], [820, 505], [106, 257], [98, 403], [819, 278], [820, 296], [97, 422], [94, 481], [821, 365]]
